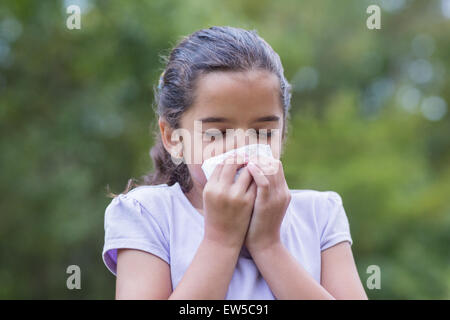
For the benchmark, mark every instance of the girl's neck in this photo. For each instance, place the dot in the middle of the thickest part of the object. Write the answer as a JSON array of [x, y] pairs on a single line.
[[195, 196]]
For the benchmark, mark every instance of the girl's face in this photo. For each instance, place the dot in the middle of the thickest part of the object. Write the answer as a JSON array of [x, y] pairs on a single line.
[[244, 101]]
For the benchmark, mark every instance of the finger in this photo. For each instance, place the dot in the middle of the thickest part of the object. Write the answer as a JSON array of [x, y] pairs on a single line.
[[244, 179], [258, 176], [280, 171], [268, 165], [216, 172], [215, 175], [273, 172], [271, 167], [229, 169], [251, 191]]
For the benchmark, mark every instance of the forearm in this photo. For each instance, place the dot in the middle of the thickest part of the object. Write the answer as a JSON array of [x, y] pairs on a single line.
[[209, 274], [285, 276]]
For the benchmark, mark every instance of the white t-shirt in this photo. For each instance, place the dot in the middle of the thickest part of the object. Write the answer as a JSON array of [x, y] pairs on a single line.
[[161, 220]]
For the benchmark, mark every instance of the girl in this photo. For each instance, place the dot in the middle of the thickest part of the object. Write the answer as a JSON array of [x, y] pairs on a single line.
[[180, 236]]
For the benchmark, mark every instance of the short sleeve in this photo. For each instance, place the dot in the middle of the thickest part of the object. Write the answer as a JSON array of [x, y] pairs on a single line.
[[335, 226], [129, 225]]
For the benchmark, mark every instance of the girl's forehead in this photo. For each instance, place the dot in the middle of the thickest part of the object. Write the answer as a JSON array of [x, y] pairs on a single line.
[[236, 94]]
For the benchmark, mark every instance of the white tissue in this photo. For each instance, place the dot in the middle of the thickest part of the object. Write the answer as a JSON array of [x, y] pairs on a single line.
[[252, 150]]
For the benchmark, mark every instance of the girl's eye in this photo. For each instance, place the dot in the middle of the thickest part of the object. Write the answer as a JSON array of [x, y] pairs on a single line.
[[215, 133], [221, 134], [266, 133]]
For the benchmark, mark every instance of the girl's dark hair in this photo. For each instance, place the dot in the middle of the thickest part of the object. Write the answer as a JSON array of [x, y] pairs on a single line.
[[214, 49]]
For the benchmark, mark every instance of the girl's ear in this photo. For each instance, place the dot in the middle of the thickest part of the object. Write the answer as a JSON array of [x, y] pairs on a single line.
[[172, 147]]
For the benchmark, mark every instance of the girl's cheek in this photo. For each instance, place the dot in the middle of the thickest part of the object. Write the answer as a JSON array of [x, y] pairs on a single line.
[[197, 173], [276, 152], [213, 148]]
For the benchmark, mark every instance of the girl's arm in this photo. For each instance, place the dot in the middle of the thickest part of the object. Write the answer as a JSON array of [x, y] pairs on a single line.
[[209, 274], [339, 274], [227, 208], [141, 275], [283, 273], [289, 280]]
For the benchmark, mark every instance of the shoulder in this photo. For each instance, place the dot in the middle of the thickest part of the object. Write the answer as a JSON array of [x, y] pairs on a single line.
[[148, 202], [317, 206], [324, 211], [151, 197], [137, 220], [314, 199]]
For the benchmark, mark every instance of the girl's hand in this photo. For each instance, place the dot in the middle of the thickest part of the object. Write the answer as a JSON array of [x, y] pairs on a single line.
[[272, 200], [228, 205]]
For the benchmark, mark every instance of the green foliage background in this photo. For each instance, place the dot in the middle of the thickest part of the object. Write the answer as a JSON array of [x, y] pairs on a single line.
[[75, 116]]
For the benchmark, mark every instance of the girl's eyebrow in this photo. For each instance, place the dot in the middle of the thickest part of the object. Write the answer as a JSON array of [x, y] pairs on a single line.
[[213, 119], [221, 119], [267, 119]]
